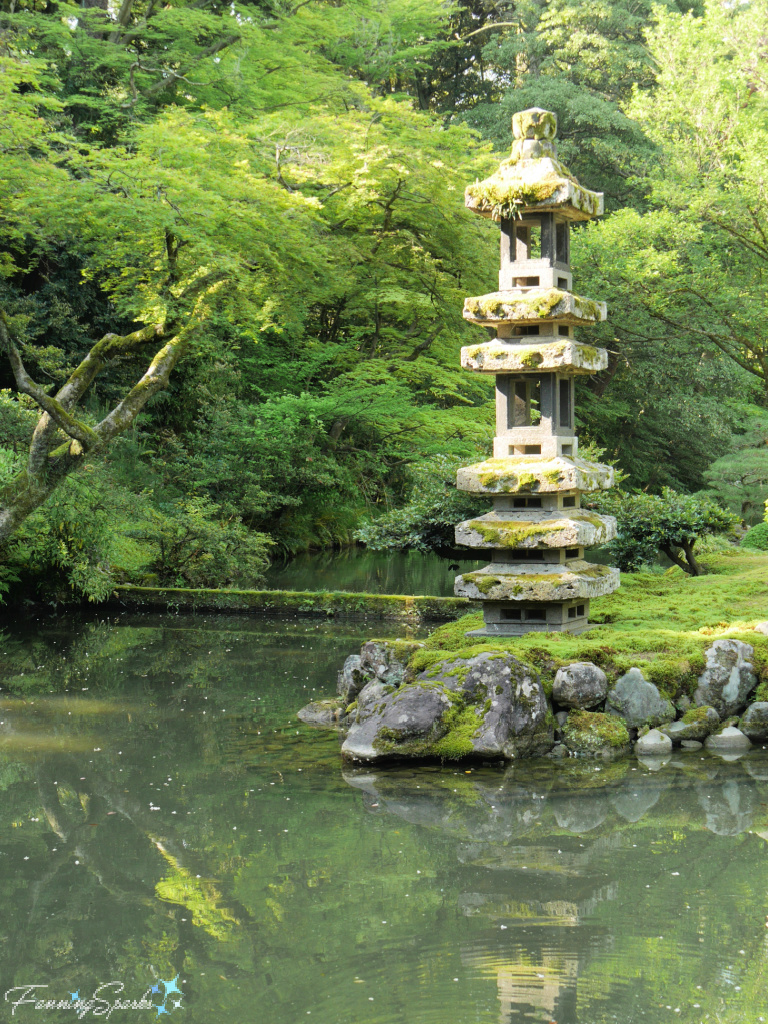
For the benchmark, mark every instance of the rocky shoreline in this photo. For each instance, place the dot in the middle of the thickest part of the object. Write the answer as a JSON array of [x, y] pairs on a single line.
[[492, 706]]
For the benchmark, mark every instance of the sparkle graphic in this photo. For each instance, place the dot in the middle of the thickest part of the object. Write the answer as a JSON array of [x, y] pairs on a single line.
[[171, 986], [75, 995], [161, 1009], [155, 988]]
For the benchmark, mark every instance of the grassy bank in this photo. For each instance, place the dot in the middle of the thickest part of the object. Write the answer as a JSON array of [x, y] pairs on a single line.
[[327, 603], [661, 622]]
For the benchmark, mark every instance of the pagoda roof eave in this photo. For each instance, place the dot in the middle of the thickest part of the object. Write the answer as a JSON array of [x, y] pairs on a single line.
[[521, 187]]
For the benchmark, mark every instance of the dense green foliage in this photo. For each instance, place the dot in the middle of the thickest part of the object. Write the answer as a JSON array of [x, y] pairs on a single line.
[[272, 193], [427, 521], [668, 522]]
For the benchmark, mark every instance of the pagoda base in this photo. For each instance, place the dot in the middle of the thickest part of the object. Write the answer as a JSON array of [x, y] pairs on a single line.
[[504, 618], [510, 629]]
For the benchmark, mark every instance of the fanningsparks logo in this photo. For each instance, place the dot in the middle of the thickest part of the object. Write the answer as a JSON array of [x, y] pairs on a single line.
[[162, 997]]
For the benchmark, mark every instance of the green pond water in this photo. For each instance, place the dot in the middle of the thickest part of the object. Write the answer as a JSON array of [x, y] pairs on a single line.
[[164, 816], [377, 572]]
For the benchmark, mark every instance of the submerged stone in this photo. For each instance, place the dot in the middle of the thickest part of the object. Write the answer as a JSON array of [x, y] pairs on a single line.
[[580, 685], [323, 712], [728, 679], [638, 702]]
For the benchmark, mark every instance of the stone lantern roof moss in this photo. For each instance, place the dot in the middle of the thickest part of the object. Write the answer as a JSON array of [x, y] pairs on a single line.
[[516, 306], [534, 474], [532, 179]]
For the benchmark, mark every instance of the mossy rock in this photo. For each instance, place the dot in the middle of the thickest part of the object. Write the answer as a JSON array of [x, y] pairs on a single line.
[[594, 734]]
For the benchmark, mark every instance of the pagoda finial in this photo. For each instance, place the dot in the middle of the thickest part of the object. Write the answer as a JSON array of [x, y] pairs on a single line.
[[534, 123], [534, 131]]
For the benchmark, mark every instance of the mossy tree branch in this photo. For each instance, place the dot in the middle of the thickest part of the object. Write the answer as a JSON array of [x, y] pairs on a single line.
[[51, 459]]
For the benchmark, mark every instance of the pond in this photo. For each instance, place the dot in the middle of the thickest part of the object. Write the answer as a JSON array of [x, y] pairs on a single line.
[[165, 819], [359, 570]]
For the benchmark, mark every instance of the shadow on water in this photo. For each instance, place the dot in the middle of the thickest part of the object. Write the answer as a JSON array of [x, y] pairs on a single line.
[[163, 813]]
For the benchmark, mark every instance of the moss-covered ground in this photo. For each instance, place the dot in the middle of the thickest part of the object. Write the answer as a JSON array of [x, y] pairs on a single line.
[[662, 622]]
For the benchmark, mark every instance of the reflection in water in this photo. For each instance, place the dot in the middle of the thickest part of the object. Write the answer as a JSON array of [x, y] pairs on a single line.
[[552, 847], [162, 812]]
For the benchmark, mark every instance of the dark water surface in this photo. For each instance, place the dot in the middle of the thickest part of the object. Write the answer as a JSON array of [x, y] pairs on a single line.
[[373, 572], [163, 813]]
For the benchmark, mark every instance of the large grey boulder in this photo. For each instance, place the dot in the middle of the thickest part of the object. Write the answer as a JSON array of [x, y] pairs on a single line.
[[652, 744], [580, 685], [491, 705], [509, 700], [728, 678], [754, 721], [729, 740], [404, 722], [638, 702], [696, 724]]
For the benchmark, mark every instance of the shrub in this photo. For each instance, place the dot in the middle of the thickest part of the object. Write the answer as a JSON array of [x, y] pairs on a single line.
[[756, 537], [669, 522]]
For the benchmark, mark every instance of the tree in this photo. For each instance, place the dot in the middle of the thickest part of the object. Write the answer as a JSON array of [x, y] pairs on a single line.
[[696, 262], [213, 198], [739, 480], [667, 522]]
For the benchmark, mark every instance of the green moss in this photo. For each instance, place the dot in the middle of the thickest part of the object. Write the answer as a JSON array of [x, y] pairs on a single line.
[[658, 619], [592, 730], [337, 604], [536, 304], [674, 676], [553, 476], [695, 716], [483, 582], [463, 723], [511, 534], [531, 358], [504, 197]]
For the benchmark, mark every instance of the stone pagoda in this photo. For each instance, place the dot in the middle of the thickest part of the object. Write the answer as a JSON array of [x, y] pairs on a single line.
[[536, 534]]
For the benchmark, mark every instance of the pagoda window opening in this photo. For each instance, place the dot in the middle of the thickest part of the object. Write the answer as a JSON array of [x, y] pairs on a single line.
[[535, 614], [523, 405], [528, 241], [511, 614]]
